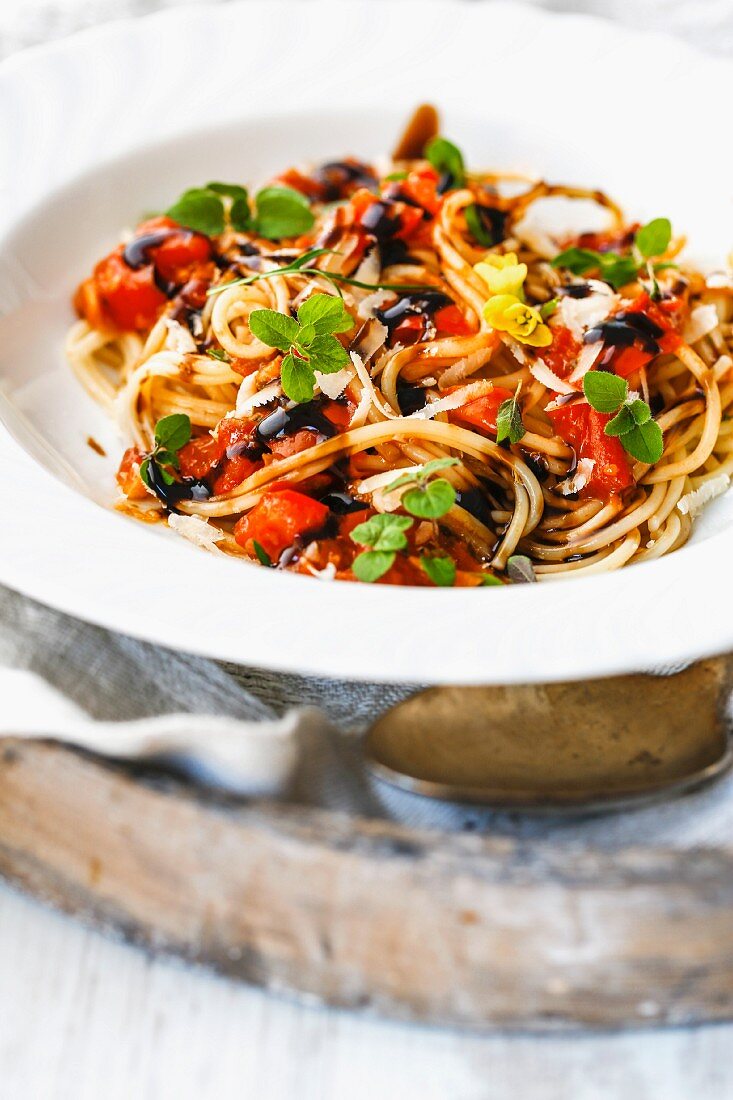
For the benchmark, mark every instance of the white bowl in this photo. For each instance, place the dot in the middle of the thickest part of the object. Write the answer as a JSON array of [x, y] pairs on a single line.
[[117, 121]]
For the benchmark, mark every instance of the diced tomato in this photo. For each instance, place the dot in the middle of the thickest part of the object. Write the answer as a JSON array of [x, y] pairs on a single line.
[[199, 455], [234, 432], [665, 314], [288, 445], [339, 413], [178, 257], [584, 429], [128, 475], [121, 295], [278, 519], [421, 186], [449, 321], [410, 330], [629, 361], [481, 413], [562, 353], [233, 473]]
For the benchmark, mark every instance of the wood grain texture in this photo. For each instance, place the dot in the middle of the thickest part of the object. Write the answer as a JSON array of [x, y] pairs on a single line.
[[462, 930]]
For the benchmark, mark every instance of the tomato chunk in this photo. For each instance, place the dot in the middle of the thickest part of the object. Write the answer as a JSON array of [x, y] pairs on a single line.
[[562, 353], [128, 475], [126, 297], [584, 429], [481, 413], [449, 321], [278, 519]]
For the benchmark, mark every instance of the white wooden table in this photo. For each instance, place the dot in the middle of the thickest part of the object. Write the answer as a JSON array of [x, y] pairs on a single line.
[[85, 1018]]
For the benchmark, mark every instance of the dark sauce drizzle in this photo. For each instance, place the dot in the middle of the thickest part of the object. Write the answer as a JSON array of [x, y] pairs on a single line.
[[188, 488], [625, 329], [424, 304]]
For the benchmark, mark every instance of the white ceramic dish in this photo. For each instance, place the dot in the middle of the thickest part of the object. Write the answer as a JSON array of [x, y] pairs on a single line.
[[98, 128]]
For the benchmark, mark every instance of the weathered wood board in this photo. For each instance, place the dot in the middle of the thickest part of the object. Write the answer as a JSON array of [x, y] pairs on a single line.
[[461, 930]]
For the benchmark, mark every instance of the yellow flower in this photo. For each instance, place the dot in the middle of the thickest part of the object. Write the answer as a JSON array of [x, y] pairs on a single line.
[[506, 313], [502, 274]]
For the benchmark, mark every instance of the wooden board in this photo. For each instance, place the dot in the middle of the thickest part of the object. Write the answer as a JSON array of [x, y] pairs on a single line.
[[462, 930]]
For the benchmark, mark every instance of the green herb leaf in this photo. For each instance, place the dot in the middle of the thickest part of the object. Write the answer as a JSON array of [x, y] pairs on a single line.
[[577, 260], [644, 442], [262, 555], [277, 330], [393, 177], [166, 458], [614, 269], [168, 477], [654, 237], [219, 353], [328, 355], [173, 431], [199, 209], [446, 157], [622, 422], [605, 392], [617, 270], [509, 423], [640, 411], [441, 570], [230, 190], [520, 569], [145, 473], [430, 501], [488, 580], [298, 381], [549, 308], [282, 212], [325, 313], [370, 565], [382, 532], [477, 228]]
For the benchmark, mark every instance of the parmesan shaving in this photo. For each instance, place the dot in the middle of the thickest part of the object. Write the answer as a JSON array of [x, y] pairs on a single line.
[[248, 400], [464, 368], [692, 503], [333, 385], [196, 530], [578, 480], [702, 320], [372, 339], [453, 400], [373, 301], [178, 338], [581, 314], [586, 359], [328, 573], [540, 370]]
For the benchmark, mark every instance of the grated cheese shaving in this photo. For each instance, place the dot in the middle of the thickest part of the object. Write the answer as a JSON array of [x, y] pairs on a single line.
[[692, 503], [453, 400], [333, 385], [579, 479], [702, 320], [197, 530], [373, 301], [178, 338], [540, 370], [247, 400], [581, 314]]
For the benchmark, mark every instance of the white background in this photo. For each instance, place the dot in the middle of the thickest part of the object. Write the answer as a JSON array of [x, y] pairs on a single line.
[[82, 1017]]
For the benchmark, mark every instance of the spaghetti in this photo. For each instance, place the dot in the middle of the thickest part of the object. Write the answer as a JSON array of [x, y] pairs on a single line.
[[398, 375]]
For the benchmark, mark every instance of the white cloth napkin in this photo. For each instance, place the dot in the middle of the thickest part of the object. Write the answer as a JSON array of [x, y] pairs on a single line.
[[258, 734]]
